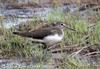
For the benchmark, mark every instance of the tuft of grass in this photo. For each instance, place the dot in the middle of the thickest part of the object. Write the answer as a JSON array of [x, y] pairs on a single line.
[[12, 45]]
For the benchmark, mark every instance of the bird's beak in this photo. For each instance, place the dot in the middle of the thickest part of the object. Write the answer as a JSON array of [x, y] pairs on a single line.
[[70, 28]]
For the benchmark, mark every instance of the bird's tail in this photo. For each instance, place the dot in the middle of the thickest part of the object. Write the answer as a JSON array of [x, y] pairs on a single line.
[[24, 34]]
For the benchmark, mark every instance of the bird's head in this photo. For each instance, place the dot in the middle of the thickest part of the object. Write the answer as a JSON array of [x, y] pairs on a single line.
[[62, 25], [59, 25]]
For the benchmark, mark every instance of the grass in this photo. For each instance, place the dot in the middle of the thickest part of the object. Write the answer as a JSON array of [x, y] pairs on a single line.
[[16, 46]]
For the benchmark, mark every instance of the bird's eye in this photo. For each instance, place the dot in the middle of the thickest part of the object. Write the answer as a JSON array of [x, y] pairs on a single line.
[[62, 24]]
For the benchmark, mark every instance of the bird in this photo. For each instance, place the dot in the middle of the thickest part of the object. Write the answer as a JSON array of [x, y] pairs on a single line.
[[48, 34]]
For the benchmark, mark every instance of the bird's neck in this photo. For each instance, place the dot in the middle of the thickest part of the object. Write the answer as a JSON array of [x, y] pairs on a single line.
[[60, 32]]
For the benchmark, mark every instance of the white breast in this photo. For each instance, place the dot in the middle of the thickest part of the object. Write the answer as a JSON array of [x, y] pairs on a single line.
[[52, 39]]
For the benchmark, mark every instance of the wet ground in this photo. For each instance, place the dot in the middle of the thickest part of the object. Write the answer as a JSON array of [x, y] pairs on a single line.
[[16, 16], [13, 17]]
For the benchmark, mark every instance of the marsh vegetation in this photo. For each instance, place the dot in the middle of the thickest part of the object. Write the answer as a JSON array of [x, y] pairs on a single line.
[[80, 49]]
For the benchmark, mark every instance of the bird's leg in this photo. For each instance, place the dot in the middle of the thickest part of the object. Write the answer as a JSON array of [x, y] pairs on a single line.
[[44, 47], [46, 53]]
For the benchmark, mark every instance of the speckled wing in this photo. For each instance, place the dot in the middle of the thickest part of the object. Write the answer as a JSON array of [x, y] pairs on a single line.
[[37, 34], [41, 33]]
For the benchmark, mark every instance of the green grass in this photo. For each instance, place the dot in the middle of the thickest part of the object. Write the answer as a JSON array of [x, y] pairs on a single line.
[[12, 45]]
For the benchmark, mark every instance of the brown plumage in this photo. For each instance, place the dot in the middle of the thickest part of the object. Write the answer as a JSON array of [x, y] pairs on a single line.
[[39, 33], [48, 34]]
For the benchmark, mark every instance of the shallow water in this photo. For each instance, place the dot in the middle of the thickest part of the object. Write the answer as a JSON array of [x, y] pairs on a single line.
[[14, 17]]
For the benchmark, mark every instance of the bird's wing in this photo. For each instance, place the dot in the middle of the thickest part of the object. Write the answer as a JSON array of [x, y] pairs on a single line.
[[37, 34], [41, 33]]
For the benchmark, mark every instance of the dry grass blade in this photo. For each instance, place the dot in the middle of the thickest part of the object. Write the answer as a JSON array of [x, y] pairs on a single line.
[[97, 52], [76, 53], [71, 48]]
